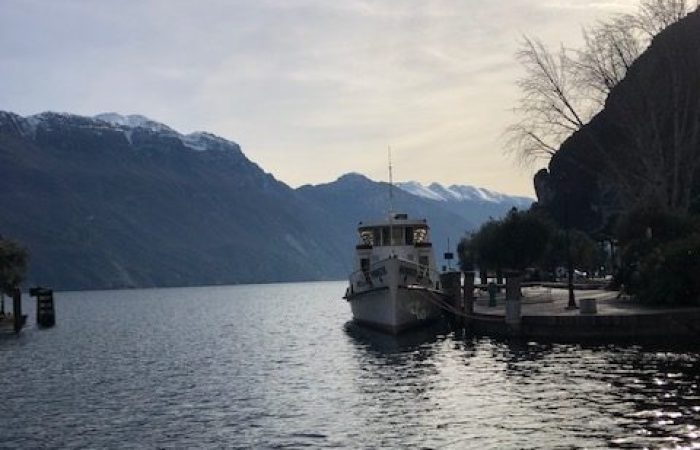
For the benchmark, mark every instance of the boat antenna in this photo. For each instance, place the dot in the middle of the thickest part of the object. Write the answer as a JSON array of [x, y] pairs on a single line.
[[391, 186], [391, 202]]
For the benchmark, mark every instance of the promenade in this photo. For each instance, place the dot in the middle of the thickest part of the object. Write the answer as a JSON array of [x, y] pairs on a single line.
[[544, 313]]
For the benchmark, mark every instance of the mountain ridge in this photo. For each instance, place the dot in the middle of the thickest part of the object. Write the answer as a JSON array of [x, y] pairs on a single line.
[[132, 204]]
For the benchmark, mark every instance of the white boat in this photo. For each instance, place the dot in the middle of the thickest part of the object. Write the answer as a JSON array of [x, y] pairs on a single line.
[[395, 285]]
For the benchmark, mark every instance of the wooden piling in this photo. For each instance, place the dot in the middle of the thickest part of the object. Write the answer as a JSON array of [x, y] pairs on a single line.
[[45, 310], [450, 282], [17, 310], [468, 292]]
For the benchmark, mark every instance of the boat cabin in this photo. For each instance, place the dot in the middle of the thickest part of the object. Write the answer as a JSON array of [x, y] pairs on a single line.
[[398, 237]]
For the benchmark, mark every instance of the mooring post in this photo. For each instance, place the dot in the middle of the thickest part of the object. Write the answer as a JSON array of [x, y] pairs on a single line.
[[45, 310], [484, 275], [451, 286], [468, 292], [17, 309], [513, 307]]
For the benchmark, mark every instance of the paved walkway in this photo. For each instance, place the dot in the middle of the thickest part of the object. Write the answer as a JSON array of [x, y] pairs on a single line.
[[541, 301]]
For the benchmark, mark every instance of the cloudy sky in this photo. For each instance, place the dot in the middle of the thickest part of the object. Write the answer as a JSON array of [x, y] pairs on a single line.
[[311, 89]]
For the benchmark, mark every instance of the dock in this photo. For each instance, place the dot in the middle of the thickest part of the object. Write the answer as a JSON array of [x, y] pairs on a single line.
[[541, 311]]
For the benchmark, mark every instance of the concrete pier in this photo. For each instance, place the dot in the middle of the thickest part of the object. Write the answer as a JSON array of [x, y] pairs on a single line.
[[543, 314]]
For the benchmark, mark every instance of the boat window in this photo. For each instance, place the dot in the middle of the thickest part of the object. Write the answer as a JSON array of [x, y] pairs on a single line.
[[385, 236], [397, 236], [377, 236], [420, 235], [409, 235], [367, 237]]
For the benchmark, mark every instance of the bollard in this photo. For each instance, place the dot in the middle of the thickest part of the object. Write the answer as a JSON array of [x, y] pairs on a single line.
[[513, 307], [588, 306], [45, 310], [513, 283], [493, 290], [468, 291], [483, 274]]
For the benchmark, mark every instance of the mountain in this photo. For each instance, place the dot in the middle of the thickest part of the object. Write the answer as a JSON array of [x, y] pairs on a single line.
[[478, 204], [354, 197], [116, 201], [105, 204]]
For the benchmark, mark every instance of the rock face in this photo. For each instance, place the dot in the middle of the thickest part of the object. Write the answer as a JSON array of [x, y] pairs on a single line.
[[628, 154], [123, 201]]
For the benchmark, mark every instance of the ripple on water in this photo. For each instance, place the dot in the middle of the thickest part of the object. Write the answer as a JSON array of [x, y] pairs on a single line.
[[278, 366]]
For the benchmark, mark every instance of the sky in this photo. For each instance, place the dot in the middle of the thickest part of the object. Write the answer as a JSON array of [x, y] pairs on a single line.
[[310, 89]]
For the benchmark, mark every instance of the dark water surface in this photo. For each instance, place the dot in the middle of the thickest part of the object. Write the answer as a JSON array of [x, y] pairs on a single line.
[[277, 366]]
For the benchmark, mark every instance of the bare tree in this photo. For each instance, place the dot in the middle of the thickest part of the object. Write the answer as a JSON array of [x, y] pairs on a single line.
[[550, 108], [609, 50], [656, 15]]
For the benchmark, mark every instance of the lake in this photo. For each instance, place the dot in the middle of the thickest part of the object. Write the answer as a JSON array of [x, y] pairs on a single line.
[[281, 366]]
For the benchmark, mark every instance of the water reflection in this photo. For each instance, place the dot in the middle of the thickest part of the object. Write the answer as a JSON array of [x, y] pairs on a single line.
[[628, 396], [558, 395], [397, 384], [278, 366], [379, 343]]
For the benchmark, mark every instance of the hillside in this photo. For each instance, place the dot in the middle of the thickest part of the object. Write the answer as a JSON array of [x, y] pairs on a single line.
[[123, 201]]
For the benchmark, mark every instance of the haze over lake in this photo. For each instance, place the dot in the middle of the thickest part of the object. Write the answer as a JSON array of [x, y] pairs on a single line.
[[280, 366]]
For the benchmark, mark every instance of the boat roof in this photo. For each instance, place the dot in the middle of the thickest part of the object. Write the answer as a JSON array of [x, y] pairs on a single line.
[[395, 219]]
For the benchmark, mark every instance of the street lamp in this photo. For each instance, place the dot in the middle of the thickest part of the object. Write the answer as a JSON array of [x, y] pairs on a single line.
[[569, 258], [570, 266]]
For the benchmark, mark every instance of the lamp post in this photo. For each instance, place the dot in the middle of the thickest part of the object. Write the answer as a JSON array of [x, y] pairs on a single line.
[[570, 269], [569, 258]]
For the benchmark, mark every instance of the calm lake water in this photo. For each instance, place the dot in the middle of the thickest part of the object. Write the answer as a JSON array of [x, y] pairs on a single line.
[[279, 366]]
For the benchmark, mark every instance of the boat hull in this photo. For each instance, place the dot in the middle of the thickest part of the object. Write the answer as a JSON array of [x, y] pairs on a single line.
[[391, 306]]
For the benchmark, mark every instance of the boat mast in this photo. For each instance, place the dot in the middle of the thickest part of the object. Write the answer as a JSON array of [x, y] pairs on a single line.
[[391, 187], [391, 202]]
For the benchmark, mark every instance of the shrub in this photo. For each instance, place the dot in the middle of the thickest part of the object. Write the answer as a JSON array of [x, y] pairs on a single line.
[[670, 273]]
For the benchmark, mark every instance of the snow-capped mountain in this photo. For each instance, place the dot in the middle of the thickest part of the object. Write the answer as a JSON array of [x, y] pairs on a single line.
[[462, 193], [133, 121], [114, 201], [128, 202], [126, 124]]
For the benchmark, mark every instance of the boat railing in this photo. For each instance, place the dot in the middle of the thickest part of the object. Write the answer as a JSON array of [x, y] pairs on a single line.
[[413, 273], [426, 276]]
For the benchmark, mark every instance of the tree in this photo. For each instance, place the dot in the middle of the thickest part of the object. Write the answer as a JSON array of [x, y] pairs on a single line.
[[515, 242], [488, 246], [13, 265], [523, 238], [585, 253], [466, 252]]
